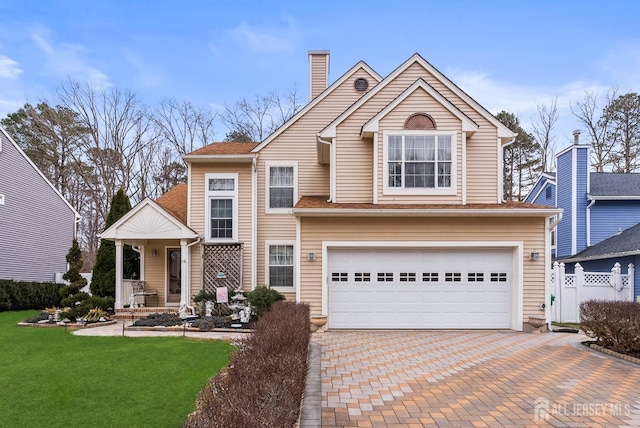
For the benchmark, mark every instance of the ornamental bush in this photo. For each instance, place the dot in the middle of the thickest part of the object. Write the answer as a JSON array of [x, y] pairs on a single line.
[[19, 296], [614, 325], [265, 380], [261, 299]]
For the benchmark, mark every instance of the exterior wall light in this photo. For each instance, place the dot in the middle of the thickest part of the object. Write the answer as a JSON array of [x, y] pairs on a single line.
[[154, 253], [311, 256], [535, 255]]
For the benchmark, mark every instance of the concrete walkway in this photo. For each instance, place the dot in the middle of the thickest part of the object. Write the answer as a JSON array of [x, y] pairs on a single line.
[[473, 379]]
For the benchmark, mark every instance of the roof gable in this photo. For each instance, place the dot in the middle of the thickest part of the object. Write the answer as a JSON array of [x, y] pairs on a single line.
[[624, 243], [148, 220], [503, 132], [359, 66], [4, 133], [545, 179], [371, 126]]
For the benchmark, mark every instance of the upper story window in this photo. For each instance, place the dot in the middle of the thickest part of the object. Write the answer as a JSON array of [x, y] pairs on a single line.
[[221, 207], [419, 162], [281, 192]]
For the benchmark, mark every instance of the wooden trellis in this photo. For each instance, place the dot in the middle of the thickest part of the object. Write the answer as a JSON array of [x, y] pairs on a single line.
[[221, 266]]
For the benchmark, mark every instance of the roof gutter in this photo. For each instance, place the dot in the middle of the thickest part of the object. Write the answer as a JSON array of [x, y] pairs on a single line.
[[248, 158], [613, 198], [448, 212]]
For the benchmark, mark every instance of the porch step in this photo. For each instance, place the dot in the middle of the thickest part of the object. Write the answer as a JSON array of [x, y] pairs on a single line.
[[137, 313]]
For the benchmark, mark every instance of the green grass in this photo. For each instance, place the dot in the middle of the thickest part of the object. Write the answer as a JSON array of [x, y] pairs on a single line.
[[52, 379], [566, 324]]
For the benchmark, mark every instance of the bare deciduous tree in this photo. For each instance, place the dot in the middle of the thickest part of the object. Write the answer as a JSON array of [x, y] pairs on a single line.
[[546, 117], [183, 125], [259, 117], [587, 111], [623, 117]]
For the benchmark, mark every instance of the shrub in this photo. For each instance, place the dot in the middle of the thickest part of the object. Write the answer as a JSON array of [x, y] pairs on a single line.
[[264, 383], [262, 298], [209, 323], [40, 317], [95, 314], [156, 319], [19, 296], [614, 325]]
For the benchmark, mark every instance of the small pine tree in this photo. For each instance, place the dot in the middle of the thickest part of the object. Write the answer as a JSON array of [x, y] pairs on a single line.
[[76, 281], [103, 282]]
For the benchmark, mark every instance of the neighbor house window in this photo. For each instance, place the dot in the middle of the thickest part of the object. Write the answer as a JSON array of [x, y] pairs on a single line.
[[280, 265], [221, 207], [281, 186], [419, 162]]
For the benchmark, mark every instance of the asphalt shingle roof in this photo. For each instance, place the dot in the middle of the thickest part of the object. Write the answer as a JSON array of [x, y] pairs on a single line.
[[175, 202], [614, 184], [627, 241]]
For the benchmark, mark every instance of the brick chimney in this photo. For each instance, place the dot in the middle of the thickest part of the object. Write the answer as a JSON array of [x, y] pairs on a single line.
[[318, 72]]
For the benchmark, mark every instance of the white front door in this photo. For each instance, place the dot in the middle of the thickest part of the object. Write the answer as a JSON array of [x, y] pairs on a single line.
[[420, 288]]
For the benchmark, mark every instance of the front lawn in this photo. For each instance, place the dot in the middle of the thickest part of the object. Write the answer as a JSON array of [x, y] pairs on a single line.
[[49, 378]]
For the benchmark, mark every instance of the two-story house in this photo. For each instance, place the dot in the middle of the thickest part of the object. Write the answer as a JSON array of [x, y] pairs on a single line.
[[37, 224], [379, 203], [601, 213]]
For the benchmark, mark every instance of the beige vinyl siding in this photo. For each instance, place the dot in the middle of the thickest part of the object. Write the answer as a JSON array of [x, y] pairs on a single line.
[[319, 73], [482, 147], [420, 102], [530, 231], [155, 268], [198, 215], [298, 144]]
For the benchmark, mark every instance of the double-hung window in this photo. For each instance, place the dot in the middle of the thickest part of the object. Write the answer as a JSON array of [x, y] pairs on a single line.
[[281, 186], [221, 207], [419, 162], [280, 264]]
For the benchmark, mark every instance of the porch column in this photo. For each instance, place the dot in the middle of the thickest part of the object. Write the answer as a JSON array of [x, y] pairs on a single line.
[[185, 285], [118, 304]]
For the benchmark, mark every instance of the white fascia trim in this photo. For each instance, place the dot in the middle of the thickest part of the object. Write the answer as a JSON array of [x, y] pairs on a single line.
[[267, 172], [219, 158], [372, 125], [375, 167], [254, 225], [429, 212], [189, 193], [504, 133], [613, 198], [360, 65], [574, 201], [517, 304], [296, 265], [550, 179], [46, 180]]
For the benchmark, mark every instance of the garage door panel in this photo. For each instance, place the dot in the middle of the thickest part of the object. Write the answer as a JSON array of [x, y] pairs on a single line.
[[419, 288]]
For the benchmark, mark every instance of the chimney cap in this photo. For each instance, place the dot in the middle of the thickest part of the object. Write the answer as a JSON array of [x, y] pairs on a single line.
[[318, 52]]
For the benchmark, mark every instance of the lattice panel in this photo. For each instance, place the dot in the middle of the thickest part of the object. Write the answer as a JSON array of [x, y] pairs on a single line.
[[597, 279], [625, 281], [221, 267], [553, 277], [569, 281]]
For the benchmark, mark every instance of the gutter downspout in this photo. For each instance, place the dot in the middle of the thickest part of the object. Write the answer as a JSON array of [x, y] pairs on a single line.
[[555, 223], [592, 203], [254, 224], [331, 166]]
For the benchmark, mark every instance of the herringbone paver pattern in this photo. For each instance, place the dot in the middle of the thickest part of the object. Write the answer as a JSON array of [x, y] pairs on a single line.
[[473, 379]]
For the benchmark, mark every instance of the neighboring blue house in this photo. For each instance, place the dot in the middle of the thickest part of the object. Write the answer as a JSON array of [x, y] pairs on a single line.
[[601, 220], [37, 224]]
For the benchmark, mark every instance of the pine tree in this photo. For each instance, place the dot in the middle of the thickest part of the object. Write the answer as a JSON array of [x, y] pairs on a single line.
[[103, 282]]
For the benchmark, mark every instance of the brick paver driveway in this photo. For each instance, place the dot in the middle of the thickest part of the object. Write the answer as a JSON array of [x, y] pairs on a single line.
[[445, 378]]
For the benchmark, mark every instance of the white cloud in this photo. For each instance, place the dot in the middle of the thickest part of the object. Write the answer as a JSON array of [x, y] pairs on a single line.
[[263, 39], [9, 106], [622, 64], [8, 68], [66, 59], [145, 77]]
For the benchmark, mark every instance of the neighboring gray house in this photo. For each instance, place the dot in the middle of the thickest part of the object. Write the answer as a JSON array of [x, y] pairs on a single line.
[[37, 224]]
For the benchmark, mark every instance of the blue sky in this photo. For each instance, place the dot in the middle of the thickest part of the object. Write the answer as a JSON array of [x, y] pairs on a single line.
[[508, 55]]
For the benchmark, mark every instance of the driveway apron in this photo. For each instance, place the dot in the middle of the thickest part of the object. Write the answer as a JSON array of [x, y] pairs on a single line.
[[473, 379]]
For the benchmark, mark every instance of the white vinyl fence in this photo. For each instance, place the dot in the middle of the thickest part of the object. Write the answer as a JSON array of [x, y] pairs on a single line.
[[572, 289], [87, 276]]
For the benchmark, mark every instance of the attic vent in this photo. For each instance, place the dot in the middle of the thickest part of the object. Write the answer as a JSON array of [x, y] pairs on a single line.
[[361, 85], [420, 121]]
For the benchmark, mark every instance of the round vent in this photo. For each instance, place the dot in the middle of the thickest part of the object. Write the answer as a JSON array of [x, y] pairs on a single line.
[[361, 85]]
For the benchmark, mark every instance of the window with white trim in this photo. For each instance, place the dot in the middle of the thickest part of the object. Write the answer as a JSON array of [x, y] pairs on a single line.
[[221, 207], [281, 191], [418, 162], [280, 265]]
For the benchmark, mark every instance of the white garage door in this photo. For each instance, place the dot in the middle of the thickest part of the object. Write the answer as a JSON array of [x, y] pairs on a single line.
[[420, 288]]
